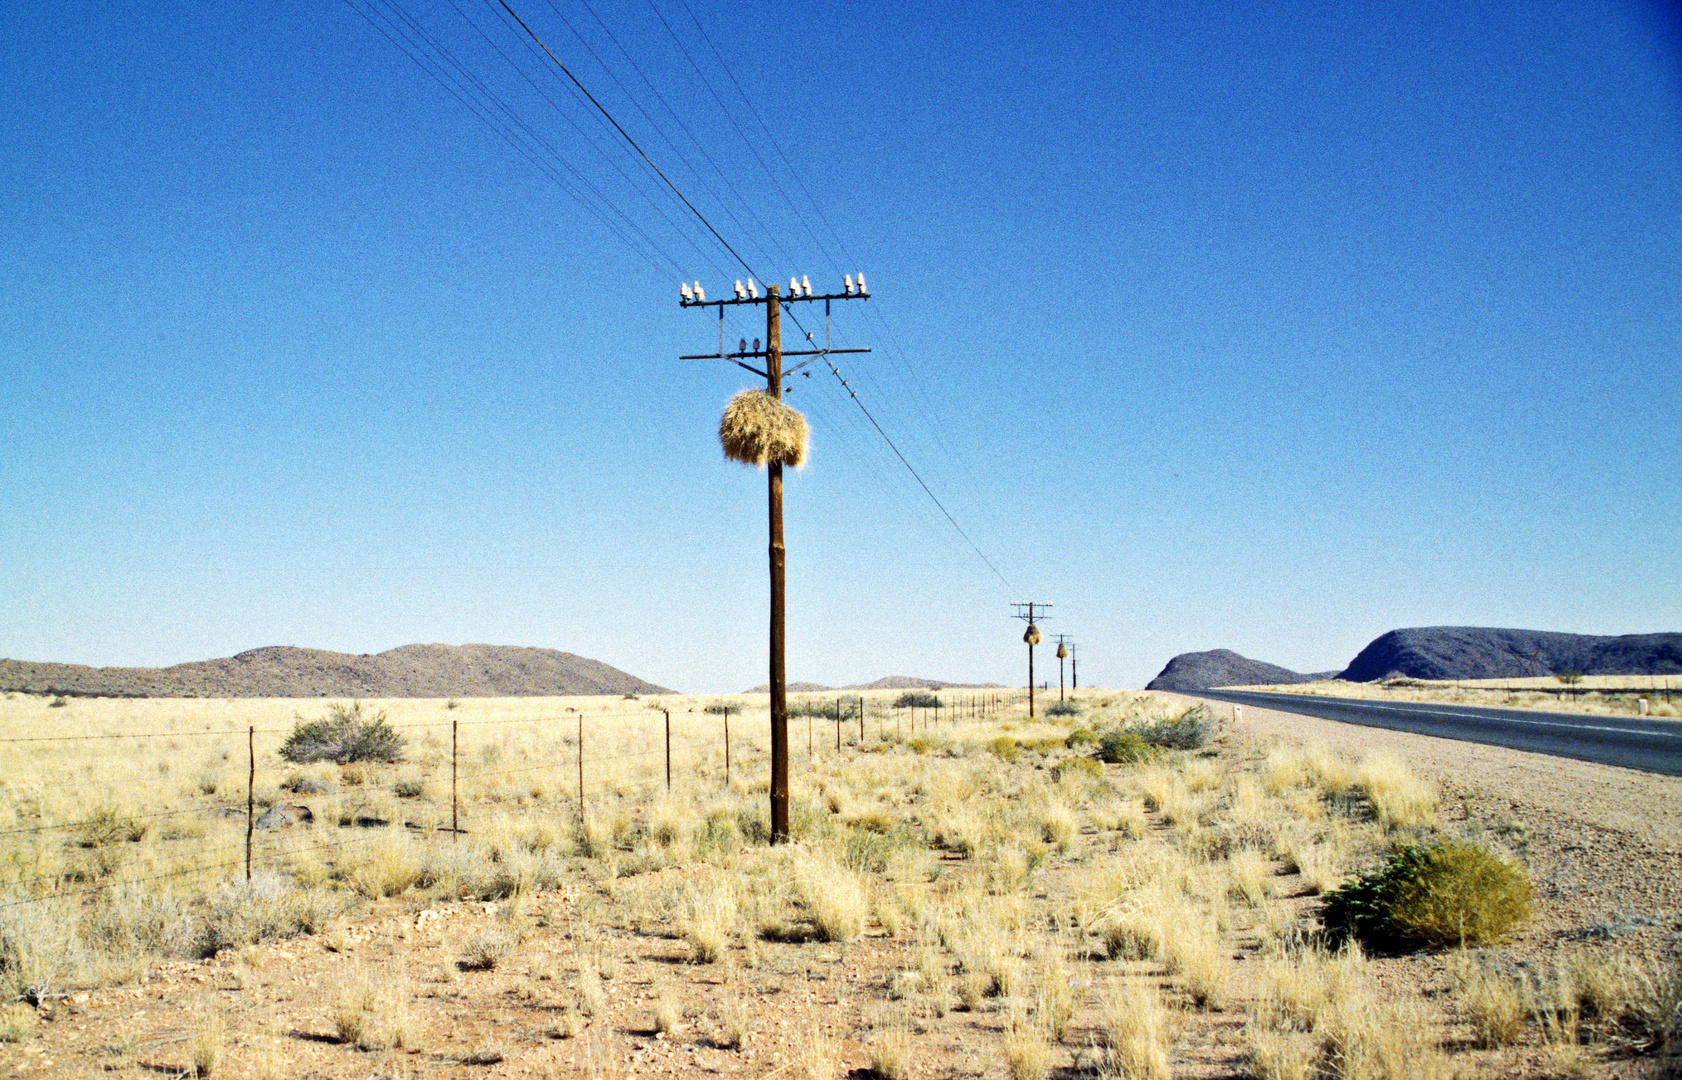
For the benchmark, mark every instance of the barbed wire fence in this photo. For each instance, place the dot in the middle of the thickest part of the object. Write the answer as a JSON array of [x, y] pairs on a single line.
[[108, 828]]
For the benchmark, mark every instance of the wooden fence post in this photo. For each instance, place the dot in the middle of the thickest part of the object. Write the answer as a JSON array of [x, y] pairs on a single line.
[[668, 713], [861, 719], [581, 768], [727, 746], [250, 797], [455, 800]]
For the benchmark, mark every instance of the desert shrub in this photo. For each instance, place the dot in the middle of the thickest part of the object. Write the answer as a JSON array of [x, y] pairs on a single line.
[[1123, 747], [1062, 708], [344, 735], [109, 825], [1005, 748], [16, 1022], [1570, 676], [722, 708], [1080, 737], [1447, 892], [1188, 731], [916, 699], [1080, 766], [486, 950], [58, 702]]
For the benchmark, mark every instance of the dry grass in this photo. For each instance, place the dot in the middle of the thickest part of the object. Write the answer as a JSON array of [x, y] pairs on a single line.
[[1135, 1032], [208, 1045], [1588, 696], [998, 882]]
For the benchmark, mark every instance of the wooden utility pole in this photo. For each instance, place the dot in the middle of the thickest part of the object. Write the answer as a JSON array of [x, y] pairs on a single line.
[[779, 684], [799, 290], [1062, 655], [1025, 612], [1074, 666]]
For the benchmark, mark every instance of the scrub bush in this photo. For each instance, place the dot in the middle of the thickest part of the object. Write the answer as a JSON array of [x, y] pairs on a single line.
[[1444, 893], [342, 736]]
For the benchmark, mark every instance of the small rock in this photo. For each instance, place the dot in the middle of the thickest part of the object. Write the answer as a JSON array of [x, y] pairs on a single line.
[[278, 817]]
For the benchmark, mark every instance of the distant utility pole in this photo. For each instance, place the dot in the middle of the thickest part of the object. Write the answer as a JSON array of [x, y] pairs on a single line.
[[1074, 667], [799, 290], [1025, 612], [1062, 655]]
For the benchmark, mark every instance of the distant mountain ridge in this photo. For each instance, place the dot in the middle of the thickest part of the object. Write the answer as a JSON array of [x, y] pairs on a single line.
[[285, 671], [1444, 652], [1189, 672], [1475, 652], [890, 682]]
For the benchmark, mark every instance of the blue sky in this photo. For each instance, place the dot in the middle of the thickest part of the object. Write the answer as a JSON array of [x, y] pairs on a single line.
[[1268, 327]]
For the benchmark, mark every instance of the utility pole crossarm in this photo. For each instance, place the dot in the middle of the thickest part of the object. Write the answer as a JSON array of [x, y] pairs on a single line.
[[762, 353], [767, 299]]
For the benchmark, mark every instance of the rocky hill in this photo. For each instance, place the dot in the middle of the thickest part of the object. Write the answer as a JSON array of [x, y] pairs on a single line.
[[1190, 672], [283, 671], [1473, 652]]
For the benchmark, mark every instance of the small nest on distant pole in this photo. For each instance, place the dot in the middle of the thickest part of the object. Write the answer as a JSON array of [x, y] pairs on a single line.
[[757, 429]]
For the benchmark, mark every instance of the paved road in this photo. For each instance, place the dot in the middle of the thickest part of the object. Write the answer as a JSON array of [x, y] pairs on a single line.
[[1632, 742]]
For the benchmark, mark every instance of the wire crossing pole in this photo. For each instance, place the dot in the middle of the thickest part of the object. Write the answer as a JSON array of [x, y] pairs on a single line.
[[799, 290]]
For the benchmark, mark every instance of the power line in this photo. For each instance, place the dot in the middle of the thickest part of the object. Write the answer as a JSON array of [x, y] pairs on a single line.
[[973, 546], [627, 136]]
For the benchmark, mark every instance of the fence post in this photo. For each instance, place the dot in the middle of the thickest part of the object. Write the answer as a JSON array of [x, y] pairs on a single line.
[[250, 797], [861, 719], [809, 754], [668, 713], [581, 768], [455, 799], [727, 746]]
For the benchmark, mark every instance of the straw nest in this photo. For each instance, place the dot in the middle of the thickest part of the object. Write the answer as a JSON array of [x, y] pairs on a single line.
[[757, 429], [1032, 635]]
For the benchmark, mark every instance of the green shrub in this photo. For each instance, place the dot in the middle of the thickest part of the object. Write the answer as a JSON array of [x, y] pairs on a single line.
[[1445, 893], [1062, 708], [1188, 731], [342, 736], [1123, 747], [1080, 766], [1080, 737], [919, 744], [1005, 748], [58, 702], [916, 699], [1570, 676], [722, 708]]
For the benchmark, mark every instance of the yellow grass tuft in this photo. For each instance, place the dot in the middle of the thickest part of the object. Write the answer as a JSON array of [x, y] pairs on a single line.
[[1135, 1032]]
